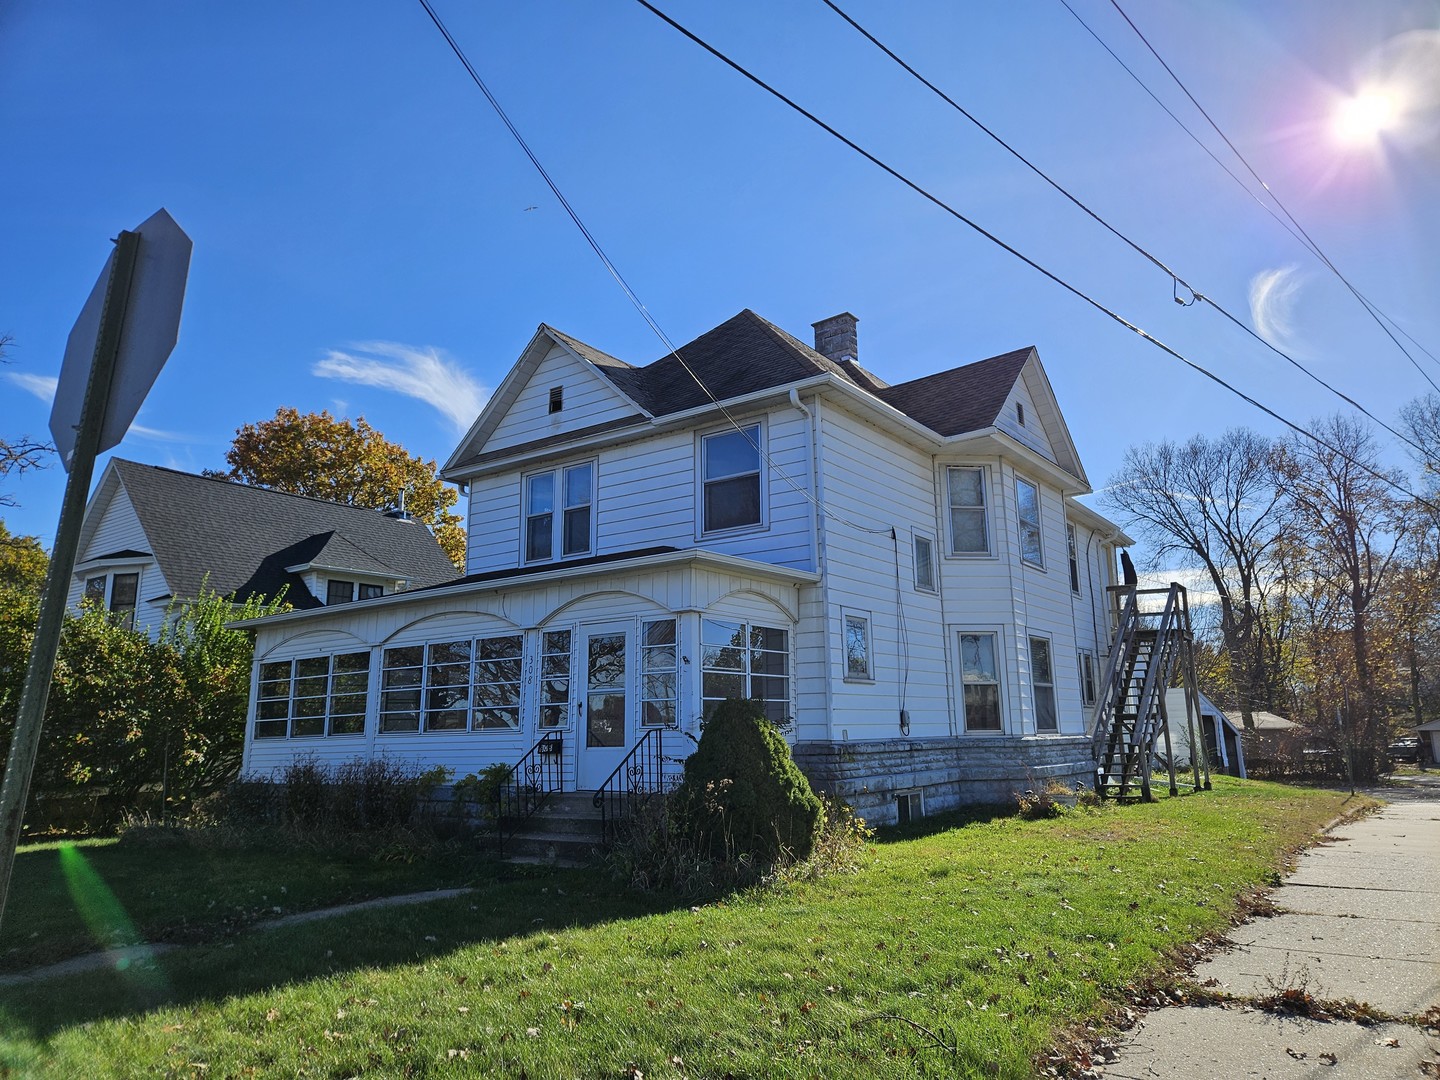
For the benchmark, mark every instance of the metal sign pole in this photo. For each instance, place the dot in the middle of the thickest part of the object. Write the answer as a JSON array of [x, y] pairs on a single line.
[[25, 740]]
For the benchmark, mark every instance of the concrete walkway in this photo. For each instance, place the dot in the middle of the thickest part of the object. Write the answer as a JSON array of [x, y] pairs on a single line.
[[1360, 925]]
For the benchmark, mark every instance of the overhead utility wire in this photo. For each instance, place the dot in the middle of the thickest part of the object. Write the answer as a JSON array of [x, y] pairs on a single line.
[[1301, 239], [619, 278], [1072, 289], [1370, 308], [1194, 292]]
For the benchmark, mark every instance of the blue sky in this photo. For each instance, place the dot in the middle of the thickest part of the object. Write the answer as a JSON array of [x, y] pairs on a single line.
[[369, 240]]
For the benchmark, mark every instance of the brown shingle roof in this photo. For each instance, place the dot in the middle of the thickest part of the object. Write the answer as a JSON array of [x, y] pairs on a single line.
[[962, 399], [747, 354]]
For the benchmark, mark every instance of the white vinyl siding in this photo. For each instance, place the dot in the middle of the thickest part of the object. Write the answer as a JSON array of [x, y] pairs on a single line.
[[647, 494], [589, 398]]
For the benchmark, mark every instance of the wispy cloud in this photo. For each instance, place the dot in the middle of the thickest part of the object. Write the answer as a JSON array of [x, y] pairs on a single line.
[[42, 386], [421, 372], [156, 435], [1272, 304]]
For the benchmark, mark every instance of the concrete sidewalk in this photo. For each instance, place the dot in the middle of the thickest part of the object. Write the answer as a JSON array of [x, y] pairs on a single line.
[[1360, 923]]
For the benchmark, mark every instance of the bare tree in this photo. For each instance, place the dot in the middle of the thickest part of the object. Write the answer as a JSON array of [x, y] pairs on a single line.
[[20, 454], [1351, 526], [1217, 505]]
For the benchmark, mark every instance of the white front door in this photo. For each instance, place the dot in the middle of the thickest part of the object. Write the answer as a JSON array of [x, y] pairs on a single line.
[[606, 701]]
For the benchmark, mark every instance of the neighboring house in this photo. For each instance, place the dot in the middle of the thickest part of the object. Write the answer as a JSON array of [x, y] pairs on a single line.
[[899, 573], [1224, 747], [152, 537]]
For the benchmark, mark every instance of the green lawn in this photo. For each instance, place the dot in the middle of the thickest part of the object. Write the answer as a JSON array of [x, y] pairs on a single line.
[[73, 898], [961, 949]]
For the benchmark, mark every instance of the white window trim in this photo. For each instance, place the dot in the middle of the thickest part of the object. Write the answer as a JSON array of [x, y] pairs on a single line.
[[557, 515], [999, 634], [1053, 684], [1087, 703], [915, 536], [761, 442], [847, 614], [1039, 524], [948, 548], [1072, 557]]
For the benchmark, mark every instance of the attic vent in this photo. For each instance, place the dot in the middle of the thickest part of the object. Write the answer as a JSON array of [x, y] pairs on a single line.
[[557, 398], [1020, 413]]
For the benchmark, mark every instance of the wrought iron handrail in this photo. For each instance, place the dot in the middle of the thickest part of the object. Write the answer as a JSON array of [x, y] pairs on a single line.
[[531, 781], [640, 775]]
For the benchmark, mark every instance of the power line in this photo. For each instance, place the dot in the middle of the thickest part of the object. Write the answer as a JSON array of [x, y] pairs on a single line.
[[624, 285], [1195, 293], [1308, 241], [1072, 289]]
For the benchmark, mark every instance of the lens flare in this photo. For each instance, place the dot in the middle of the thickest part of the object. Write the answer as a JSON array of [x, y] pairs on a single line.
[[1362, 119]]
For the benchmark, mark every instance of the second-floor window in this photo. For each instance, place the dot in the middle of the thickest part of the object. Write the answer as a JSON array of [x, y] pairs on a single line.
[[1073, 548], [122, 589], [558, 513], [730, 478], [1027, 510], [969, 534]]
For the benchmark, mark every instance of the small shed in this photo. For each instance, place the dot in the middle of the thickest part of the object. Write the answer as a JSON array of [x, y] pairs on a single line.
[[1224, 750], [1429, 741]]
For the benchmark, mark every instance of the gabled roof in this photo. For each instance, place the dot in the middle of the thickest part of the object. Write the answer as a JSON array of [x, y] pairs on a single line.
[[962, 399], [243, 537], [747, 355]]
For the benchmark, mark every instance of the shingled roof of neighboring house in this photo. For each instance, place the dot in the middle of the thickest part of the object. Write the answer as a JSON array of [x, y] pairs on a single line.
[[244, 537], [747, 354]]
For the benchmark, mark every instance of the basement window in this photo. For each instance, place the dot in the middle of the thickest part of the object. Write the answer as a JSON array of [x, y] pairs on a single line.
[[909, 806]]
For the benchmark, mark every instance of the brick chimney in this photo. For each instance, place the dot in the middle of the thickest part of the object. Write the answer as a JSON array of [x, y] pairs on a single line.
[[835, 338]]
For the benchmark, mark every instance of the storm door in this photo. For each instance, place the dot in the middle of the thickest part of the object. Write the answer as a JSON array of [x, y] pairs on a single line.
[[606, 701]]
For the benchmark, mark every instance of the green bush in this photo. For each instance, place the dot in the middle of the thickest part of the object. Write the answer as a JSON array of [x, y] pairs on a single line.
[[743, 795]]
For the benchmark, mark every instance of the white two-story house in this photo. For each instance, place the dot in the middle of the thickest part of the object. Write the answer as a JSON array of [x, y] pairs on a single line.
[[900, 574]]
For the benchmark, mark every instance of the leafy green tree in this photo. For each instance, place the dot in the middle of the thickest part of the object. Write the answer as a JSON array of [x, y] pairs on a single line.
[[22, 562], [344, 461], [202, 726]]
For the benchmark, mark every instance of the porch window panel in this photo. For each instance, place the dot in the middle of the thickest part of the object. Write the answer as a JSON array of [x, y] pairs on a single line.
[[717, 686], [398, 678], [554, 678], [448, 652], [405, 656], [270, 729], [497, 719], [770, 639], [273, 710], [658, 714]]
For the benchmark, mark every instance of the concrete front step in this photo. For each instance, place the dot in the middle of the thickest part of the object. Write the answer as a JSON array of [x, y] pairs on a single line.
[[566, 831]]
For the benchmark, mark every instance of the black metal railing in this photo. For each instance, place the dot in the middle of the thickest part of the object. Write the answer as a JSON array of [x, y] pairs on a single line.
[[531, 781], [629, 787]]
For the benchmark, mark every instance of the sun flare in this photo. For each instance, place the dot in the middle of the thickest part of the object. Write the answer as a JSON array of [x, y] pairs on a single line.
[[1362, 119]]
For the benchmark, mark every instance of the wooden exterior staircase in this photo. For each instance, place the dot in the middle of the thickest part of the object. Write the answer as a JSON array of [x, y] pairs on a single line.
[[1152, 650]]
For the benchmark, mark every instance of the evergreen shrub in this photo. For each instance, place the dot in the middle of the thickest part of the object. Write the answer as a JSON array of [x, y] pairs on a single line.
[[742, 794]]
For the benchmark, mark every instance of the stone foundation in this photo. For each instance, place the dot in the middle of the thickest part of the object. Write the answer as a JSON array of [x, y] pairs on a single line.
[[948, 772]]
